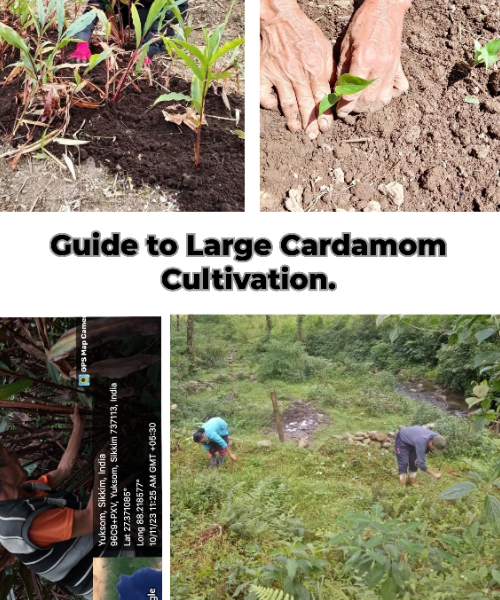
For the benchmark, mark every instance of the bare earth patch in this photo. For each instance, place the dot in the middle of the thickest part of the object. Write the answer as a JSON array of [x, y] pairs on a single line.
[[300, 420]]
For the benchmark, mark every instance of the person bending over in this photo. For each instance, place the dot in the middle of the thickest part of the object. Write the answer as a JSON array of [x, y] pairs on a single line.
[[214, 437], [82, 52], [412, 444], [297, 61]]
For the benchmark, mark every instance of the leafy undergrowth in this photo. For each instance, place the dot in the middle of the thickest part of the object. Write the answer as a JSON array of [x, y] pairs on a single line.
[[329, 522]]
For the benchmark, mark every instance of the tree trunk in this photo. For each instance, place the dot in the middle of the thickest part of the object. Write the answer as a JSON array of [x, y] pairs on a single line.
[[190, 338], [178, 322], [269, 325], [300, 321]]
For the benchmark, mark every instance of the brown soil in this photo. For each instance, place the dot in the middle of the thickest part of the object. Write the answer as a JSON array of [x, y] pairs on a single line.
[[133, 144], [39, 186], [130, 140], [443, 151], [300, 419]]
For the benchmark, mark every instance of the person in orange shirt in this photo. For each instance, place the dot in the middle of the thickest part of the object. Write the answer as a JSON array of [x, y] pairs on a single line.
[[34, 518]]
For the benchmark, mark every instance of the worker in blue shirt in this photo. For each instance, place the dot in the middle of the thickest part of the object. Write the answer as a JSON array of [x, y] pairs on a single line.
[[214, 437]]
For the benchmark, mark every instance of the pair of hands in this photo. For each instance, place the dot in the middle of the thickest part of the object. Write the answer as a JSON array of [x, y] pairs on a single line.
[[230, 454], [297, 61]]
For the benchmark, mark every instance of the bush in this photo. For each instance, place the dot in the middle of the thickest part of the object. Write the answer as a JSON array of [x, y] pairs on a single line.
[[211, 355], [238, 413], [287, 362], [460, 436], [322, 393], [197, 494], [384, 357], [456, 366], [374, 406], [461, 439], [194, 411], [427, 413]]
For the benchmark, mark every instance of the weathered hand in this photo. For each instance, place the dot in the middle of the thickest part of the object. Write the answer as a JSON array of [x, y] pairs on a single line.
[[297, 60], [371, 49]]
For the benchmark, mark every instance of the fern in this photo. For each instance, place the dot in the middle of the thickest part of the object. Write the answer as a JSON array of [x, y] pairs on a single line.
[[270, 594], [251, 514]]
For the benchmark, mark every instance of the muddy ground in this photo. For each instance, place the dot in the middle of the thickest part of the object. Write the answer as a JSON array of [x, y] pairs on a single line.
[[442, 150], [300, 420], [135, 160]]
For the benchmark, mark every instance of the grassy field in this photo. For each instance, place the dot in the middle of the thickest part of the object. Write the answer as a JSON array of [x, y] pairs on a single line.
[[266, 518]]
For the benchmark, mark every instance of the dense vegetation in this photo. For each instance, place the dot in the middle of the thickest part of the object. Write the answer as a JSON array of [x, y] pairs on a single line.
[[331, 521]]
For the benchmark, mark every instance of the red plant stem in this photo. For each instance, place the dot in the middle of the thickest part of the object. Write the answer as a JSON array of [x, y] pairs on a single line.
[[50, 407], [122, 80]]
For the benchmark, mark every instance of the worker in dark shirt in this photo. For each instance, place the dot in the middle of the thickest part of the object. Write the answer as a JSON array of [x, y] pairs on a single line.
[[412, 444], [82, 52]]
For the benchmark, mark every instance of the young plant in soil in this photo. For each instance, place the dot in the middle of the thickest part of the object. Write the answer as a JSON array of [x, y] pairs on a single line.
[[346, 86], [156, 13], [203, 75], [488, 54], [44, 87]]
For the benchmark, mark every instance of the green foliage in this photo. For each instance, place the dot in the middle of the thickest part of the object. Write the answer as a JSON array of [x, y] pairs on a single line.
[[382, 554], [10, 389], [287, 362], [358, 338], [487, 484], [485, 413], [269, 594], [248, 514], [198, 494], [201, 61], [373, 393], [456, 365], [295, 563], [39, 55], [487, 54], [194, 412], [462, 439], [427, 413], [347, 85]]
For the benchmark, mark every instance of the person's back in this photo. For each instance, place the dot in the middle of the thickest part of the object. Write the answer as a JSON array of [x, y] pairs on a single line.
[[416, 434], [215, 425]]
